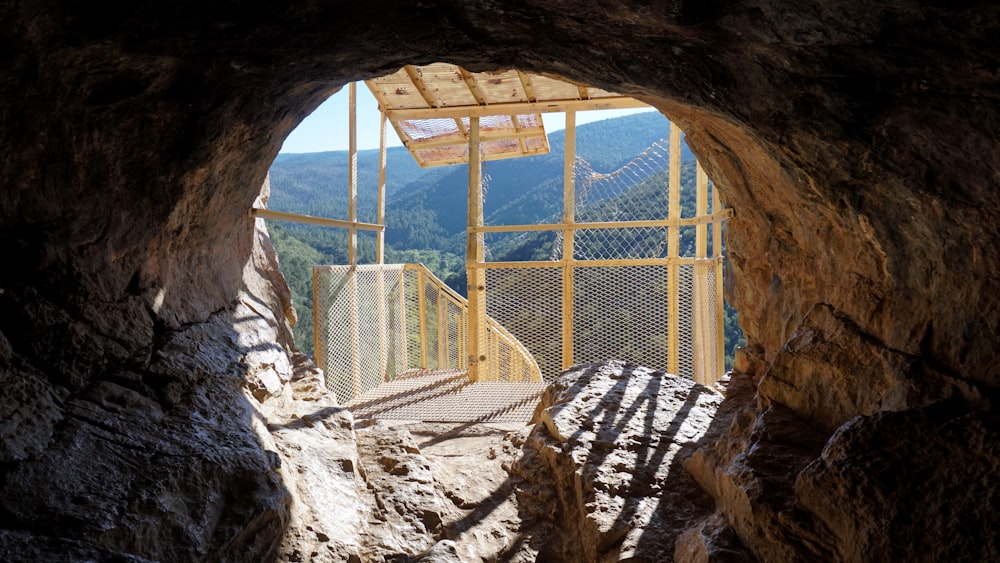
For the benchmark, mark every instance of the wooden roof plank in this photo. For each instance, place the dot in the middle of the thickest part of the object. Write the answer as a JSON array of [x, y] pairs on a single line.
[[501, 87], [429, 106]]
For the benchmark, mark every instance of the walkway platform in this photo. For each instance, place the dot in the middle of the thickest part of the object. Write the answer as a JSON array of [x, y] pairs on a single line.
[[447, 396]]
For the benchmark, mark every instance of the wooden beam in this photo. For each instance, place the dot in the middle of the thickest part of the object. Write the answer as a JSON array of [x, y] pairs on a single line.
[[554, 106], [517, 130], [568, 217], [483, 137], [380, 211], [490, 157], [310, 220], [474, 256], [529, 87], [418, 83], [352, 175], [470, 82], [701, 210], [596, 263], [422, 315], [679, 222], [673, 250], [319, 343], [720, 345]]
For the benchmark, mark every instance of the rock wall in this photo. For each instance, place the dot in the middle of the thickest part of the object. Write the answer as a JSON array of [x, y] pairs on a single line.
[[600, 476], [140, 333]]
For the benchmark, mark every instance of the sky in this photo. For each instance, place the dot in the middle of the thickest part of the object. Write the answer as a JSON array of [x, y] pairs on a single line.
[[326, 129]]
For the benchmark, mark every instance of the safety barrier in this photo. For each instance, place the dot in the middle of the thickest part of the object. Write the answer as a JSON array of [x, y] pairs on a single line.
[[634, 272], [376, 323]]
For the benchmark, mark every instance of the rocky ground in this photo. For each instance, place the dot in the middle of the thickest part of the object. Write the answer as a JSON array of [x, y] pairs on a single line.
[[597, 476]]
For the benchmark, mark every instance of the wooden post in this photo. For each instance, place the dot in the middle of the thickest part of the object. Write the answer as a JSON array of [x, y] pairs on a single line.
[[474, 255], [720, 346], [383, 318], [380, 219], [673, 251], [405, 336], [355, 335], [383, 324], [421, 307], [701, 209], [460, 321], [319, 350], [352, 175], [704, 343], [442, 315], [568, 219]]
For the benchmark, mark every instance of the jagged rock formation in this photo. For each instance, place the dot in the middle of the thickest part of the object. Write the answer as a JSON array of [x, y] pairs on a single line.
[[142, 361], [600, 477]]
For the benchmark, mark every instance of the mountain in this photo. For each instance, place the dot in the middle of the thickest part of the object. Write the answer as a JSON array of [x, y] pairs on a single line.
[[316, 183], [431, 213]]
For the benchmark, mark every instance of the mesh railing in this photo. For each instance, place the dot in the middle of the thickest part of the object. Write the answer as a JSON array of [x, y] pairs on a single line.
[[618, 312], [374, 323], [527, 303], [637, 283]]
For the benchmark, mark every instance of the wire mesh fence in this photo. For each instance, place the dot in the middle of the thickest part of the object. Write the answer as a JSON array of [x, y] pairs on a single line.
[[636, 283], [625, 274], [376, 323], [527, 302]]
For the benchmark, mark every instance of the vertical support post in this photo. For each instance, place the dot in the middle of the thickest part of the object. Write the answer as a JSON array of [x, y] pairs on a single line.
[[352, 175], [704, 341], [474, 256], [405, 336], [421, 307], [701, 210], [383, 324], [673, 251], [380, 219], [355, 334], [442, 314], [460, 321], [319, 349], [568, 234], [495, 355], [720, 345]]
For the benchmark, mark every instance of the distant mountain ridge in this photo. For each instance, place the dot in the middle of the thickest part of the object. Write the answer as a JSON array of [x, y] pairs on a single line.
[[431, 212], [433, 199]]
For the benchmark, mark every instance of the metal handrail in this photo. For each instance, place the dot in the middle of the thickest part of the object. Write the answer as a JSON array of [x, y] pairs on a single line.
[[518, 350]]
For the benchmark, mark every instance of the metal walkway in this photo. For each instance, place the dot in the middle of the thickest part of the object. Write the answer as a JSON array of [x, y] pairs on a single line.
[[447, 396]]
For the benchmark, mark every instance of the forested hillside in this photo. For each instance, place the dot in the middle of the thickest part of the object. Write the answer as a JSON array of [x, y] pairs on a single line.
[[426, 208]]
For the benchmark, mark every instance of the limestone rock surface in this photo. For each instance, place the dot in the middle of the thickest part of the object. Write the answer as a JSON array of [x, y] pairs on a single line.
[[602, 469], [919, 495]]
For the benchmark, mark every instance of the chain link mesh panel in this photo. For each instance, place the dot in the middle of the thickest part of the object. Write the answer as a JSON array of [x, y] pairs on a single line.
[[685, 325], [662, 314], [527, 302], [375, 323], [634, 192], [621, 313], [708, 356], [358, 341], [629, 243]]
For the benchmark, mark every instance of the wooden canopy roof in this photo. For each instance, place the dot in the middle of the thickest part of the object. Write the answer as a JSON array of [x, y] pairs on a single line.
[[430, 106]]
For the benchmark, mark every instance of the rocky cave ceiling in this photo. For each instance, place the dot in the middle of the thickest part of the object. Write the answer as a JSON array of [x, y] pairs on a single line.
[[855, 141]]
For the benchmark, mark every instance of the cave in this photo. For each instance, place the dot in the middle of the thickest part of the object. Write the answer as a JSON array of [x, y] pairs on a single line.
[[151, 405]]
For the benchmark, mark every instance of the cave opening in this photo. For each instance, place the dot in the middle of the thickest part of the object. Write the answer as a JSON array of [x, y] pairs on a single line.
[[856, 144]]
